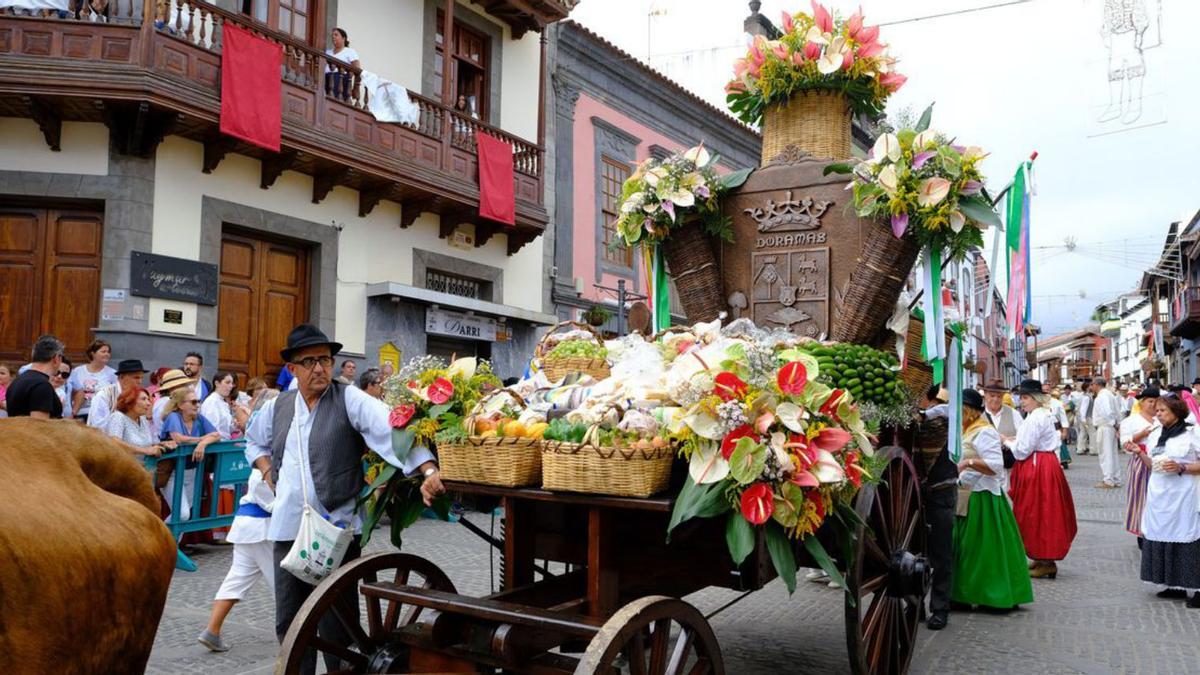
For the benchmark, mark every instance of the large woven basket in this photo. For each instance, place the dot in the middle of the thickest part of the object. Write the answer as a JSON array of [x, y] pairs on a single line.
[[817, 122], [881, 270], [693, 265], [917, 374], [558, 368], [606, 470], [495, 460]]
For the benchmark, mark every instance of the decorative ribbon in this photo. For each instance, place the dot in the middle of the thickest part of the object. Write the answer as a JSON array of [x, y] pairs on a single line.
[[934, 345], [660, 293], [954, 386]]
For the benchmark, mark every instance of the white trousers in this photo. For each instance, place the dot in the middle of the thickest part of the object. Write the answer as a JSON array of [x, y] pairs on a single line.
[[250, 561], [1083, 437], [1105, 441], [185, 503]]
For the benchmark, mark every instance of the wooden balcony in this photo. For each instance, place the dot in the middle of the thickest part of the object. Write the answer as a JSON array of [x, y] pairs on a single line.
[[155, 73], [1185, 313]]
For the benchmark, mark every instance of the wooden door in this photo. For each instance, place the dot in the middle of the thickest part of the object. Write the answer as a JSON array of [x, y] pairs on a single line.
[[49, 278], [263, 295]]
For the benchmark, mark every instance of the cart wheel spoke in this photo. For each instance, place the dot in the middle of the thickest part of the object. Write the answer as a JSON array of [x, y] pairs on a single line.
[[660, 636], [693, 650], [375, 617], [683, 645], [635, 653], [873, 585], [349, 620], [342, 652]]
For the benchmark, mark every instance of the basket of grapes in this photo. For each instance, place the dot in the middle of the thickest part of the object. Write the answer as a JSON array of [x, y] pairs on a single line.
[[572, 347]]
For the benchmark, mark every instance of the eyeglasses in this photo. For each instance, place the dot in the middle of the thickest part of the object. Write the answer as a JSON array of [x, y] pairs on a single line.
[[308, 362], [192, 401], [65, 373]]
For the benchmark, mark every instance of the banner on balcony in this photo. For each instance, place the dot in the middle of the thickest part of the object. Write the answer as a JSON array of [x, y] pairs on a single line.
[[250, 87], [496, 199]]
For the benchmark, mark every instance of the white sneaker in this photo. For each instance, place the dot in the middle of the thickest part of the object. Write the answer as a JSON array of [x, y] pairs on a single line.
[[834, 584], [818, 576]]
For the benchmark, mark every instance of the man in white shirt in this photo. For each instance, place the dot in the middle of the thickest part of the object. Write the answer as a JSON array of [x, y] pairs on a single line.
[[1005, 418], [329, 427], [1083, 420], [1106, 414], [129, 374]]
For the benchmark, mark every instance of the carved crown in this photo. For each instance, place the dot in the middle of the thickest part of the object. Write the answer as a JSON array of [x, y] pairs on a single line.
[[789, 214]]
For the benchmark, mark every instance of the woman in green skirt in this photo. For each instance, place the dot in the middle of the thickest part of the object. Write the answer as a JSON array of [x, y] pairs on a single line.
[[989, 565]]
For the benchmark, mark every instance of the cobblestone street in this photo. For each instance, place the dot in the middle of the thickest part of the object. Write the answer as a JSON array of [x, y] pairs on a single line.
[[1097, 617]]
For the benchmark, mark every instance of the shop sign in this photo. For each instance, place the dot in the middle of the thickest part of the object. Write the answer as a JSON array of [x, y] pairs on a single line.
[[457, 324], [160, 276]]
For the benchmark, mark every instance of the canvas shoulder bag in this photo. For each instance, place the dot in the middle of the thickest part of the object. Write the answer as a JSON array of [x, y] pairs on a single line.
[[320, 545]]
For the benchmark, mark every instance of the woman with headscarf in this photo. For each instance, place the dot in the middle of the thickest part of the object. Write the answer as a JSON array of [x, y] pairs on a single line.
[[1042, 502], [1170, 521], [1139, 431], [989, 563]]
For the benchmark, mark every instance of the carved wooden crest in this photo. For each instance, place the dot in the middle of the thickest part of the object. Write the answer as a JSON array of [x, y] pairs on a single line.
[[789, 214], [790, 289]]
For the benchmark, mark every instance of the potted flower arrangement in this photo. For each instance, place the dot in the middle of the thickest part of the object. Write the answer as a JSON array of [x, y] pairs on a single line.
[[673, 206], [804, 85], [428, 400], [597, 315], [770, 448], [929, 189]]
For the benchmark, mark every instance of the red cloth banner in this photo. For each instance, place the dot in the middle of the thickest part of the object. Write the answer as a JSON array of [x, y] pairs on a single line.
[[496, 199], [250, 87]]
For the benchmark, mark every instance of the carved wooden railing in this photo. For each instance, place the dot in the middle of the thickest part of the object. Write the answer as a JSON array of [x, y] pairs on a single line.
[[124, 12], [527, 157]]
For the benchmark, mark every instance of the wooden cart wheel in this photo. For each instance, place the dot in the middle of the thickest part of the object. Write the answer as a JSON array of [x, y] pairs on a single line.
[[888, 576], [371, 651], [654, 635]]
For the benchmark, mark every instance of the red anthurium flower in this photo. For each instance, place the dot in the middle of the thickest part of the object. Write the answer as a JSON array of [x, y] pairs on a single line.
[[758, 503], [805, 479], [729, 386], [413, 384], [832, 439], [830, 406], [805, 452], [853, 470], [792, 377], [815, 497], [440, 391], [731, 439], [401, 414]]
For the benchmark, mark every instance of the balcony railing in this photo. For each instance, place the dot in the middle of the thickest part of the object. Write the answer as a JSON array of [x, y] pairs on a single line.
[[166, 53], [1185, 313]]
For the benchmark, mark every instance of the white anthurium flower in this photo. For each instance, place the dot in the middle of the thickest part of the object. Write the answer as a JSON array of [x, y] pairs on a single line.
[[924, 138], [698, 156], [692, 181], [827, 469], [707, 465], [957, 220], [888, 146], [887, 179], [633, 203], [781, 454], [973, 152], [886, 64], [704, 425], [464, 367], [681, 198], [932, 191], [790, 415], [650, 207], [831, 61], [815, 35], [653, 176]]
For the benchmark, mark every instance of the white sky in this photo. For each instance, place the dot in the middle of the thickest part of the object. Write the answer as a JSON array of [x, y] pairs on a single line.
[[1013, 79]]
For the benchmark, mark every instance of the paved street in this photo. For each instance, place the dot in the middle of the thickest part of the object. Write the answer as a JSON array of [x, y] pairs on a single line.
[[1095, 618]]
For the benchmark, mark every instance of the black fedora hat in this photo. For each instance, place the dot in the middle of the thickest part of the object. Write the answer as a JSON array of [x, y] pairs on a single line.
[[1029, 387], [972, 399], [130, 366], [1149, 392], [307, 335]]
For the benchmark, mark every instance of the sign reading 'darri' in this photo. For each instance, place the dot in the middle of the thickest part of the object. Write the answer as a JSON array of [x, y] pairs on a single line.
[[160, 276], [456, 324]]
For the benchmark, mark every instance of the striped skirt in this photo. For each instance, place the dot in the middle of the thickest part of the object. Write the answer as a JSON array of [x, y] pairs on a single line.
[[1135, 495]]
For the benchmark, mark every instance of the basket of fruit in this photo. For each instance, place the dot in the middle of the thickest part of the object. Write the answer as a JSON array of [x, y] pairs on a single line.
[[501, 444], [632, 460], [578, 350]]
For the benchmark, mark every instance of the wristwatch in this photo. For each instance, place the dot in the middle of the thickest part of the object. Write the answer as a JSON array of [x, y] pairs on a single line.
[[430, 471]]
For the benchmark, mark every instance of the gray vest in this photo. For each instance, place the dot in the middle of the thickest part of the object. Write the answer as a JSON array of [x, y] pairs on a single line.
[[335, 449], [1005, 422]]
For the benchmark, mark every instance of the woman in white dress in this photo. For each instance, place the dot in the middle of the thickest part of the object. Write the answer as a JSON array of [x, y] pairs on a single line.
[[222, 409], [1170, 520]]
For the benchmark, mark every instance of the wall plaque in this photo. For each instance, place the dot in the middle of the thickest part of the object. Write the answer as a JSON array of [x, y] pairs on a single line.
[[160, 276], [456, 324], [791, 290]]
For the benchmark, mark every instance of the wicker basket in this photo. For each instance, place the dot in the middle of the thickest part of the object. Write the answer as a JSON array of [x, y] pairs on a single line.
[[558, 368], [917, 374], [693, 265], [875, 284], [618, 471], [496, 460], [817, 122]]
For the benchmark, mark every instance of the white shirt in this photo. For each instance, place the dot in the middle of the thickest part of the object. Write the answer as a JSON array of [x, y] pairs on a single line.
[[987, 446], [216, 410], [89, 383], [1108, 409], [156, 414], [1037, 434], [1081, 408], [347, 56], [996, 417], [1170, 513], [1059, 412], [368, 416], [1133, 425], [252, 529], [102, 405]]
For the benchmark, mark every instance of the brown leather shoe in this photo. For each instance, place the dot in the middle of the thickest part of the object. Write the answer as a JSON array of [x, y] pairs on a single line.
[[1044, 571]]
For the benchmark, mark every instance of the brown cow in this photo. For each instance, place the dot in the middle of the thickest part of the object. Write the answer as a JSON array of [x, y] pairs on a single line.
[[85, 561]]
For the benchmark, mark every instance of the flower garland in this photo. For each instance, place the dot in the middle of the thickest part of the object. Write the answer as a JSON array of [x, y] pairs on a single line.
[[815, 52]]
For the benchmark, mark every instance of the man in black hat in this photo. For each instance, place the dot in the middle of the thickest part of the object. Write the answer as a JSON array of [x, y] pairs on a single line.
[[322, 428], [129, 375]]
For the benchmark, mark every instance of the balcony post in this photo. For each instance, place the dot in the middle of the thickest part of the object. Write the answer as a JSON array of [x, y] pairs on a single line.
[[447, 54], [541, 126]]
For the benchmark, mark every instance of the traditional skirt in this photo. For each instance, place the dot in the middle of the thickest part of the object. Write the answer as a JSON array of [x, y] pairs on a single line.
[[1135, 495], [1171, 564], [1043, 506], [1064, 454], [989, 557]]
